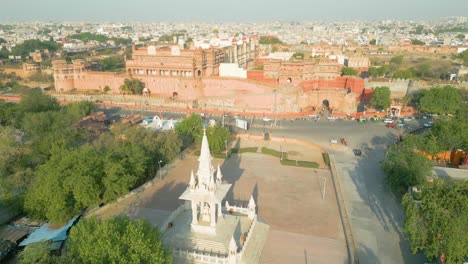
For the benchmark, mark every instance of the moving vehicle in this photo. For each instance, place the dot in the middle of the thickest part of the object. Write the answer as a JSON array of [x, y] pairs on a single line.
[[388, 121]]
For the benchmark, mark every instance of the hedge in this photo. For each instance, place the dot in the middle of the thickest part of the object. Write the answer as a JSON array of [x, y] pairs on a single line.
[[300, 163], [326, 158]]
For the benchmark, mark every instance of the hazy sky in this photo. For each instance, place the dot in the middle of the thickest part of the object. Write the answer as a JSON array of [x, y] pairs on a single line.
[[233, 10]]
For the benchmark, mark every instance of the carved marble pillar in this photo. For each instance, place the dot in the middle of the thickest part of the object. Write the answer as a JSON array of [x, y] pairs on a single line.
[[194, 213], [213, 214]]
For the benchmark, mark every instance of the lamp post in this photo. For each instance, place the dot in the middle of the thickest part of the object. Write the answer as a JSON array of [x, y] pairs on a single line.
[[281, 149], [225, 144], [324, 184], [160, 172]]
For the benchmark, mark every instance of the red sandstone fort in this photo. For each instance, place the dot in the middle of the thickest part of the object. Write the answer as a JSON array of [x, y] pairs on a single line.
[[194, 74]]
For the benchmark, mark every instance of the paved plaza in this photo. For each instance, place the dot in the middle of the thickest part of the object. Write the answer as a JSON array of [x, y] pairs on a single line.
[[303, 227]]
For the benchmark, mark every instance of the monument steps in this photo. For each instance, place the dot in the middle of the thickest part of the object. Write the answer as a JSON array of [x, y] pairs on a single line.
[[200, 245], [256, 243]]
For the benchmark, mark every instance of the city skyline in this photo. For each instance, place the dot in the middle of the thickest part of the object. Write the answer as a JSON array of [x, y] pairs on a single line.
[[211, 11]]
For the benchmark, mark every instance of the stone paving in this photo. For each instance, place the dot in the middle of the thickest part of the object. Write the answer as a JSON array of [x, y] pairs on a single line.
[[289, 200]]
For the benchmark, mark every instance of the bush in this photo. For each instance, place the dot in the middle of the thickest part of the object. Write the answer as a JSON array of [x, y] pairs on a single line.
[[326, 158], [273, 153], [300, 163]]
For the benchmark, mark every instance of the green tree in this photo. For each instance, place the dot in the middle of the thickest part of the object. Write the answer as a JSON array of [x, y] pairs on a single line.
[[437, 220], [217, 136], [405, 167], [269, 40], [464, 57], [348, 71], [113, 64], [381, 98], [451, 134], [383, 70], [373, 72], [2, 40], [440, 100], [403, 74], [67, 183], [417, 42], [132, 86], [37, 253], [125, 167], [298, 55], [398, 60], [373, 42], [35, 101], [107, 89], [117, 240], [191, 127], [32, 45]]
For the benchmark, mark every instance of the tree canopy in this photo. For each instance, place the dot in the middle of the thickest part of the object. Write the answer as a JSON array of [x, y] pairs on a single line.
[[117, 240], [132, 86], [404, 166], [440, 100], [437, 220], [31, 45], [417, 42], [87, 37], [381, 98], [269, 40], [403, 74], [192, 128], [348, 71], [113, 64], [75, 178]]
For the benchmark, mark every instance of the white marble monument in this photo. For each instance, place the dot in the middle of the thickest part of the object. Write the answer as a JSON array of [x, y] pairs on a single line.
[[206, 192]]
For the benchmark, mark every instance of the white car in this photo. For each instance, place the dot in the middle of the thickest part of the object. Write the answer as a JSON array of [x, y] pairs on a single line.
[[427, 124], [388, 121], [407, 119], [331, 118], [266, 119]]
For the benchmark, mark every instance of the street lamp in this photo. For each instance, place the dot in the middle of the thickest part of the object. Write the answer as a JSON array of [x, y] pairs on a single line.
[[160, 172], [281, 149], [225, 144], [324, 178]]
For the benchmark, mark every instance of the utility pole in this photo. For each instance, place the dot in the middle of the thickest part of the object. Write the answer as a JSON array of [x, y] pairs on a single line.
[[225, 143]]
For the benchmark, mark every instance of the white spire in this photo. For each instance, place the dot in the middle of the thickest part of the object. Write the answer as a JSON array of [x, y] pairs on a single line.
[[219, 176], [205, 169], [232, 246], [252, 204], [212, 183], [192, 181]]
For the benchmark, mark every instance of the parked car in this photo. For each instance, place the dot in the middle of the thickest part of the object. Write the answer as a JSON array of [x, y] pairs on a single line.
[[388, 121], [331, 118], [401, 125], [391, 125], [266, 119], [427, 124], [357, 152], [408, 119]]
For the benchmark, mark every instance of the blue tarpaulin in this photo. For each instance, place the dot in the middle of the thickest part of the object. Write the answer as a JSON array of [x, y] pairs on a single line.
[[44, 233]]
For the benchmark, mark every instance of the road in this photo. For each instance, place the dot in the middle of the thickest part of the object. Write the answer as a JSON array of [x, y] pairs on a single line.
[[375, 214]]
